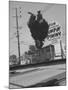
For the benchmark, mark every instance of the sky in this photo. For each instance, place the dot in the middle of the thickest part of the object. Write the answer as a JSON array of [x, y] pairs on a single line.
[[50, 12]]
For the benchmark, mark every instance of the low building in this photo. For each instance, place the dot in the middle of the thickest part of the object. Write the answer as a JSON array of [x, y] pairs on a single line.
[[45, 54], [25, 59]]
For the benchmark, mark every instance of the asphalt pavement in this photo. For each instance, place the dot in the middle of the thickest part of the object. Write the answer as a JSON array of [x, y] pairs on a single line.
[[36, 76]]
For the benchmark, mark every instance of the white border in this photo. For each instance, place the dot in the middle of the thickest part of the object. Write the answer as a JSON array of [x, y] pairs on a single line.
[[4, 44]]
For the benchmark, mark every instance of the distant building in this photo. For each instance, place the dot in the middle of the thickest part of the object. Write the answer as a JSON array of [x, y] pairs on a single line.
[[23, 62], [25, 59]]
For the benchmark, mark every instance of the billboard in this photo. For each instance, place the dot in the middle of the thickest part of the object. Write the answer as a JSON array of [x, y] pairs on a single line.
[[54, 31]]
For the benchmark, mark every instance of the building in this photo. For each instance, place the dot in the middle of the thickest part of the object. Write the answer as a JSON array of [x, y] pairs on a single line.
[[45, 54]]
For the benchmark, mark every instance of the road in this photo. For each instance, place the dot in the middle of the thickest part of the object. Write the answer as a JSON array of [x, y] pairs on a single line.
[[32, 76]]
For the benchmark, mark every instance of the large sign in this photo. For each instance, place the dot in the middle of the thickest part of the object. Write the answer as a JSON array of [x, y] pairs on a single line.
[[54, 31]]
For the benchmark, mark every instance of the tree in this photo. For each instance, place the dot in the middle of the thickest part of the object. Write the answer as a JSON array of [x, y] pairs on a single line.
[[13, 59], [32, 48]]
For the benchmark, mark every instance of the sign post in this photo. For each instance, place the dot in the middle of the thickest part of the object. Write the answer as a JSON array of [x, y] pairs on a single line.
[[54, 34]]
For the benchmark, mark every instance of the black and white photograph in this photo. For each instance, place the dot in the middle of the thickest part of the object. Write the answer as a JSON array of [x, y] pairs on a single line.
[[37, 44]]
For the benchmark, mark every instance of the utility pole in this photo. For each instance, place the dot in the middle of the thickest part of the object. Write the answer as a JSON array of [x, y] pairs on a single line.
[[17, 27], [18, 35]]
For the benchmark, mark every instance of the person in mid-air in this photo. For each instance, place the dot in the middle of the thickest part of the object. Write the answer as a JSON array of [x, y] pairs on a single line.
[[39, 16]]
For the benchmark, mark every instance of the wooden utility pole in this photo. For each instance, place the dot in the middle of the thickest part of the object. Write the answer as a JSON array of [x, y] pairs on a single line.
[[17, 27], [18, 35]]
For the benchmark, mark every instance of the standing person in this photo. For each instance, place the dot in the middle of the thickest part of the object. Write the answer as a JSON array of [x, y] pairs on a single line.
[[39, 16]]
